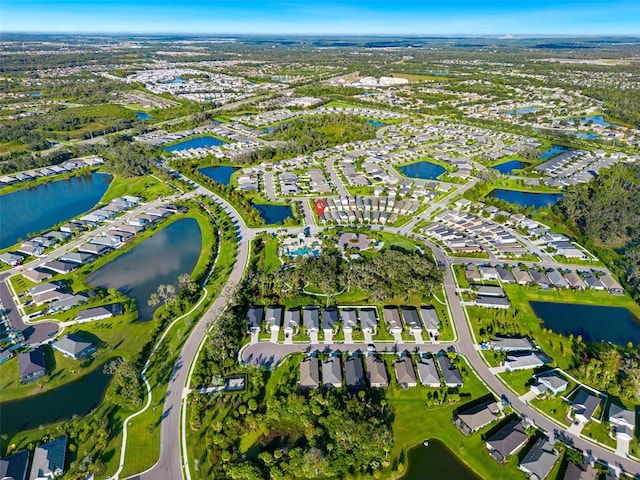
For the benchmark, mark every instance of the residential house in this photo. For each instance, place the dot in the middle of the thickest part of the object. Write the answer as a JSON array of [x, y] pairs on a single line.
[[450, 373], [273, 318], [512, 344], [11, 259], [522, 276], [549, 382], [476, 417], [489, 290], [556, 279], [392, 319], [428, 373], [574, 281], [329, 319], [36, 275], [611, 285], [311, 319], [60, 267], [369, 320], [332, 373], [74, 346], [15, 467], [507, 441], [411, 319], [66, 302], [405, 375], [623, 421], [539, 460], [488, 273], [522, 361], [471, 273], [77, 257], [93, 249], [505, 275], [540, 279], [349, 318], [582, 471], [32, 365], [291, 322], [43, 288], [492, 302], [584, 405], [48, 459], [354, 373], [99, 313], [376, 372], [431, 321], [309, 373], [592, 281], [254, 319]]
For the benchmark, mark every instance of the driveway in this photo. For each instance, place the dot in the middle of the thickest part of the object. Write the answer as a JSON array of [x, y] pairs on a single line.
[[313, 337], [348, 337], [328, 336], [397, 336], [622, 446], [418, 337], [576, 428], [274, 336]]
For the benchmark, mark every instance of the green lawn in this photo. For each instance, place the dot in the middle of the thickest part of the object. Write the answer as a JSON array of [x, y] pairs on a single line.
[[555, 407], [146, 187], [518, 380]]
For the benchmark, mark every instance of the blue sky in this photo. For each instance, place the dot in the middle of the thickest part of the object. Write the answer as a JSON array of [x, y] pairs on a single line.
[[420, 17]]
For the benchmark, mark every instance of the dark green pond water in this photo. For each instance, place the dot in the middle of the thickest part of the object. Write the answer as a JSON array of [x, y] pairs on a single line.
[[57, 405], [437, 462], [595, 323]]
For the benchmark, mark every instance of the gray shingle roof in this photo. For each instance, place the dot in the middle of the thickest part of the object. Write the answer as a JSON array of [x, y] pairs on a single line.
[[509, 438], [540, 459], [49, 458]]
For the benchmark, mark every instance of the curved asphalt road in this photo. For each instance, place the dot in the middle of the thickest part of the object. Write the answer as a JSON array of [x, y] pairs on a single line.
[[169, 464]]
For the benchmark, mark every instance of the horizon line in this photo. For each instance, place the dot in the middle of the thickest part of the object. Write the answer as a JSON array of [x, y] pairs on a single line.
[[501, 35]]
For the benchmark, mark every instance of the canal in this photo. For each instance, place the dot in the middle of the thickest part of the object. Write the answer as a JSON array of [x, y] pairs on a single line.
[[158, 260], [32, 210]]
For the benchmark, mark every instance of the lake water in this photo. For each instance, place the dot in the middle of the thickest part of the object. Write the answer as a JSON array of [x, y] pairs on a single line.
[[436, 462], [595, 323], [526, 199], [522, 111], [197, 142], [159, 260], [274, 213], [553, 151], [57, 405], [39, 208], [375, 123], [510, 166], [596, 119], [177, 80], [219, 173], [143, 116], [586, 135], [422, 169]]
